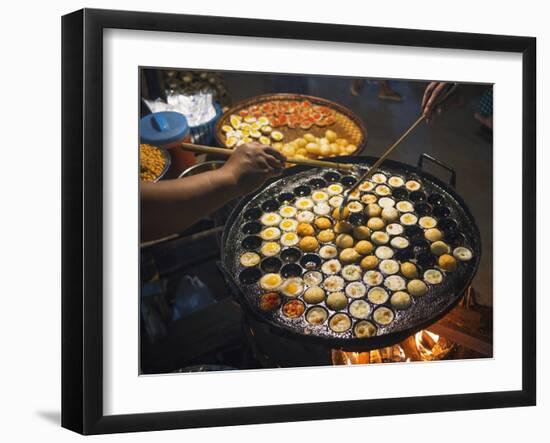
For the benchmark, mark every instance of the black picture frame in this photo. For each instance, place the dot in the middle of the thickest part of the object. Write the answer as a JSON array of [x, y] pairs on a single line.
[[82, 218]]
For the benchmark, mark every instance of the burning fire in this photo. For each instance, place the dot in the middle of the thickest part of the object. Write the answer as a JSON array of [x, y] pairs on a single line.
[[423, 346]]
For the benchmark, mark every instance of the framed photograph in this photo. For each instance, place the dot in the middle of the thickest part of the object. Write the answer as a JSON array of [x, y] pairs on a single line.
[[270, 221]]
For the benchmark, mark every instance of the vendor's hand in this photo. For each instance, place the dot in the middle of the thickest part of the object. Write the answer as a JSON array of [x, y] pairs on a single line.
[[432, 92], [251, 164]]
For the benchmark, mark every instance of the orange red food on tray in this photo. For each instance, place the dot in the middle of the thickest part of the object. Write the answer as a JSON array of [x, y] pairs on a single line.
[[292, 113]]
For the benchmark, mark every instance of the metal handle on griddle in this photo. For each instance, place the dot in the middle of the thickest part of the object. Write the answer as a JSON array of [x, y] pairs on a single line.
[[420, 165]]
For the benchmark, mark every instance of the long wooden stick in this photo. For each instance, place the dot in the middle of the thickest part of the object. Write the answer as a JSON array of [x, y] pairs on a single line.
[[201, 149], [385, 155], [377, 164]]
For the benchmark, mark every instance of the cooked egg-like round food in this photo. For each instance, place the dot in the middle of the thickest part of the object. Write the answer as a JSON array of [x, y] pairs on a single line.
[[313, 278], [287, 211], [336, 214], [270, 248], [344, 241], [322, 209], [417, 288], [427, 222], [328, 252], [335, 201], [263, 121], [305, 216], [369, 198], [349, 255], [359, 309], [399, 242], [394, 229], [439, 248], [323, 223], [250, 119], [316, 315], [355, 207], [292, 287], [270, 233], [304, 229], [308, 244], [270, 219], [250, 259], [361, 232], [400, 300], [356, 289], [389, 215], [335, 189], [304, 203], [383, 252], [383, 315], [227, 128], [288, 224], [351, 272], [290, 239], [380, 238], [231, 142], [270, 301], [355, 195], [376, 224], [395, 283], [326, 236], [363, 247], [314, 295], [386, 202], [433, 234], [266, 130], [339, 322], [382, 190], [408, 219], [373, 278], [366, 186], [364, 329], [412, 185], [409, 270], [396, 182], [374, 210], [379, 178], [331, 267], [319, 196], [447, 263], [343, 226], [277, 136], [269, 282], [263, 139], [369, 262], [334, 283], [337, 301], [293, 308], [433, 276], [378, 295], [389, 266], [404, 206], [463, 254], [235, 121]]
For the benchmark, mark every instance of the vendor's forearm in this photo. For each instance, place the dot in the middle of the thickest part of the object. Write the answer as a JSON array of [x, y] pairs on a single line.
[[170, 206]]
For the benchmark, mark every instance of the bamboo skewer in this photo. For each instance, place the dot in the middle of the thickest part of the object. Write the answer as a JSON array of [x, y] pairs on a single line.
[[201, 149], [378, 162]]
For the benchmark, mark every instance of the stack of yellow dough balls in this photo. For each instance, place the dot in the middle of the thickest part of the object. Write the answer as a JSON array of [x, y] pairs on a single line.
[[311, 146]]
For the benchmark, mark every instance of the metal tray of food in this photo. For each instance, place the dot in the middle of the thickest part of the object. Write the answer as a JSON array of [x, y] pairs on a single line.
[[434, 199]]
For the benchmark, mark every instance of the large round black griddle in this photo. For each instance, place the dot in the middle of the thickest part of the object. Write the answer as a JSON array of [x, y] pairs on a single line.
[[424, 311]]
